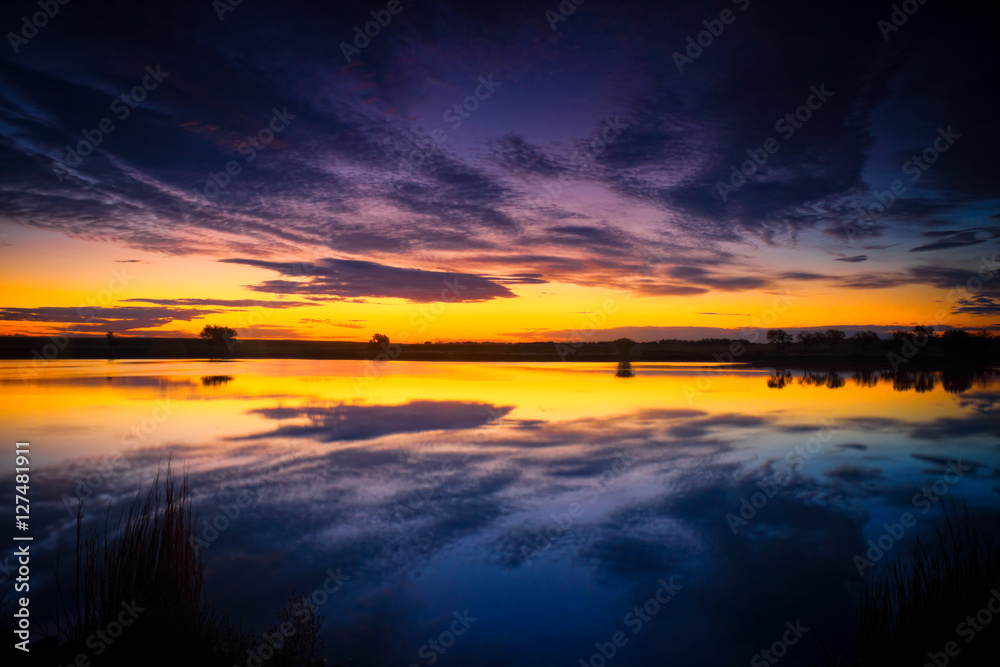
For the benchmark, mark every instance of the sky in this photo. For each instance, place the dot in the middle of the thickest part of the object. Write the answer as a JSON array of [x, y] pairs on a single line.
[[508, 171]]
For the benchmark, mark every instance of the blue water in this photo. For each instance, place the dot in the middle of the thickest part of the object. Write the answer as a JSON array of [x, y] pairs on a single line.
[[537, 508]]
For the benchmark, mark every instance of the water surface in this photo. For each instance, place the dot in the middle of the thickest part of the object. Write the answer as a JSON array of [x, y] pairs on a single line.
[[545, 501]]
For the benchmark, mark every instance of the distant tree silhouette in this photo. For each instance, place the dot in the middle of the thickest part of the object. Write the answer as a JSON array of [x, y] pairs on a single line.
[[112, 339], [624, 347], [378, 348], [833, 338], [779, 337], [956, 337], [957, 342], [808, 339], [218, 334], [865, 339], [901, 336]]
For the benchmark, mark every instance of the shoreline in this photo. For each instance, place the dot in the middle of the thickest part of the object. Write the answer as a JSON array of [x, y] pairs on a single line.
[[30, 348]]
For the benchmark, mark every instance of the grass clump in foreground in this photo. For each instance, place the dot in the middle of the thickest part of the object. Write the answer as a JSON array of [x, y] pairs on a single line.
[[137, 599], [928, 610]]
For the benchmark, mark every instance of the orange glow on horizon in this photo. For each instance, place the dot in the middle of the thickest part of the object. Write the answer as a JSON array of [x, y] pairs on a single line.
[[72, 273]]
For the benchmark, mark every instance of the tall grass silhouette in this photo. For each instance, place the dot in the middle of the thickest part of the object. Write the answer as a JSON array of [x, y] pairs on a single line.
[[148, 557], [919, 604], [144, 568]]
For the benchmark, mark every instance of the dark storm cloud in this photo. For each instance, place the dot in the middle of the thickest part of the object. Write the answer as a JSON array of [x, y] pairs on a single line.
[[975, 278], [343, 278], [356, 171], [456, 194], [519, 156], [582, 236], [802, 275], [855, 258], [875, 281], [954, 241], [979, 305], [87, 319], [227, 303], [849, 231], [958, 238], [975, 287], [352, 324], [700, 276], [519, 279]]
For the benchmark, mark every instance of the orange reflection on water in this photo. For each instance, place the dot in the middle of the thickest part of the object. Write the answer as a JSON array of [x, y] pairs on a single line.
[[93, 408]]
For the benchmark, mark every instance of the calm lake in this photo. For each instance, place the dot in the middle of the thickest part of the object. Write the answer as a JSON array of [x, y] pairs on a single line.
[[518, 514]]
